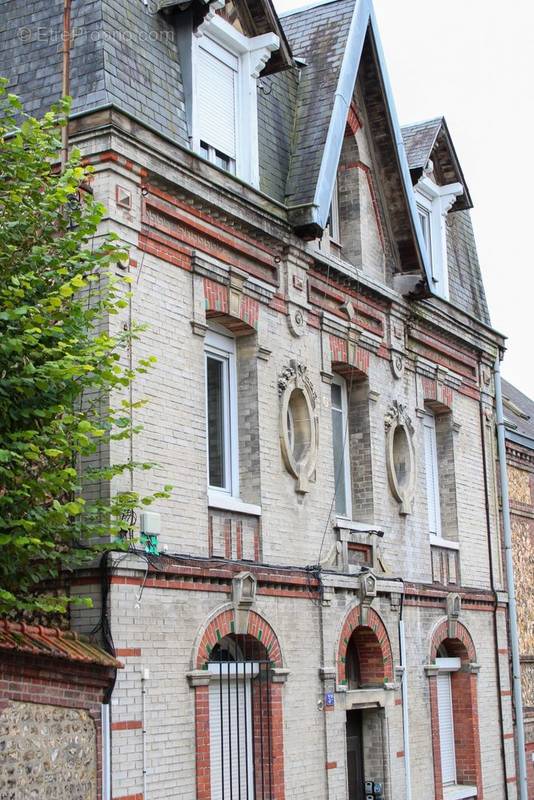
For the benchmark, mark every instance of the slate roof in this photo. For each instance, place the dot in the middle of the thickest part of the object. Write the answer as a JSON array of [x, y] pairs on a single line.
[[317, 35], [518, 412], [37, 640], [419, 140], [431, 138]]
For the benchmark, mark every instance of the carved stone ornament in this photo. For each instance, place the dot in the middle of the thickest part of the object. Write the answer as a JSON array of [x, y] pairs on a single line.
[[244, 586], [397, 364], [299, 424], [400, 456], [296, 321]]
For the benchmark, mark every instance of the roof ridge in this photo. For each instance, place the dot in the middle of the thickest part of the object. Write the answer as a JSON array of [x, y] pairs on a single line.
[[439, 118], [308, 7]]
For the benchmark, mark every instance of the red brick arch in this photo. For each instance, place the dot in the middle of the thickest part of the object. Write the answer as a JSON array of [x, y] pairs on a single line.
[[223, 624], [458, 632], [373, 625], [464, 704], [240, 316], [437, 396]]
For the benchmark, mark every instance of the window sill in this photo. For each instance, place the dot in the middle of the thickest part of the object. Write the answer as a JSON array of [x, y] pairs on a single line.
[[358, 527], [437, 541], [228, 503], [458, 792]]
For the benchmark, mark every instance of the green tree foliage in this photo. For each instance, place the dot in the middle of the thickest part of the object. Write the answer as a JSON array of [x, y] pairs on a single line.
[[62, 373]]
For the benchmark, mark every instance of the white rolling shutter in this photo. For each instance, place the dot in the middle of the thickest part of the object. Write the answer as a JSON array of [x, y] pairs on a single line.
[[432, 476], [231, 759], [216, 96], [446, 728]]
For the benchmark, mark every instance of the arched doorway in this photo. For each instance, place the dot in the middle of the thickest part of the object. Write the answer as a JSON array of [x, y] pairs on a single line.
[[238, 680], [365, 664], [240, 705]]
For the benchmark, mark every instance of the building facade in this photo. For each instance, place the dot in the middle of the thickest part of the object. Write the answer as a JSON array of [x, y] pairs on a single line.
[[320, 609], [519, 420]]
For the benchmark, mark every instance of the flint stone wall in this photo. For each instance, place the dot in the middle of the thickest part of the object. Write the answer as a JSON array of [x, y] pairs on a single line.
[[47, 753]]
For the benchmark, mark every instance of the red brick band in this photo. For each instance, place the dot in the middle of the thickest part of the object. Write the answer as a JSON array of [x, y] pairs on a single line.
[[127, 725]]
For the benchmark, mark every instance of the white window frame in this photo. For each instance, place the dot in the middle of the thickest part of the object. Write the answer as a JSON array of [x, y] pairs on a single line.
[[432, 480], [446, 667], [338, 380], [252, 53], [436, 201], [221, 347], [333, 227]]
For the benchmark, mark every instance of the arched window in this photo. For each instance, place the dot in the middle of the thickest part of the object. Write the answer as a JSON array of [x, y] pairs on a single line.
[[453, 696], [364, 661]]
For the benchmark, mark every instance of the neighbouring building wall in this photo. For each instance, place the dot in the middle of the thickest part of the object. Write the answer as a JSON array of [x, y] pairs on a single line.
[[52, 687], [521, 487]]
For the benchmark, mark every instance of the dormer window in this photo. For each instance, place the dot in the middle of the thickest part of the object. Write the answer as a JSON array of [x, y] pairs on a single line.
[[433, 204], [218, 103], [226, 65]]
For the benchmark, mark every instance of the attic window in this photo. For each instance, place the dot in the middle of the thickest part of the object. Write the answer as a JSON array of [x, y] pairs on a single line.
[[226, 65], [433, 204]]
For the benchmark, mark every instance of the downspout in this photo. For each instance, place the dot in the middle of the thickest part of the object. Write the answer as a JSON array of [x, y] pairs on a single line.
[[492, 583], [512, 607], [145, 675], [65, 82], [405, 711], [106, 752]]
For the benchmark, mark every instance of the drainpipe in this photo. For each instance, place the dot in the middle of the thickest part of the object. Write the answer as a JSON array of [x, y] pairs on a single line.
[[492, 576], [145, 675], [405, 714], [512, 608], [65, 83], [106, 753]]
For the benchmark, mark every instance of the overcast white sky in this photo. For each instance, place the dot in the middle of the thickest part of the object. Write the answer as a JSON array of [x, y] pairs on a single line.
[[473, 62]]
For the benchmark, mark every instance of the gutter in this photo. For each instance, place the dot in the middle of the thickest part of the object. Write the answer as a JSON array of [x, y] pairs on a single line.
[[512, 606], [342, 99], [65, 79], [405, 710], [520, 438], [492, 579]]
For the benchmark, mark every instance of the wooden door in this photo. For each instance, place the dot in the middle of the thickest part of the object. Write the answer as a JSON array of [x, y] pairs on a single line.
[[355, 755]]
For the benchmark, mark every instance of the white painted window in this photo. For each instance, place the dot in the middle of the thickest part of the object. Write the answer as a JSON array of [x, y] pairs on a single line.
[[446, 728], [340, 446], [226, 65], [446, 718], [426, 225], [432, 474], [217, 100], [221, 413], [333, 219], [433, 204]]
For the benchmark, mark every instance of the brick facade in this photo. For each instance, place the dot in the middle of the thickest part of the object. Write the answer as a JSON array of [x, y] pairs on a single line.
[[208, 249]]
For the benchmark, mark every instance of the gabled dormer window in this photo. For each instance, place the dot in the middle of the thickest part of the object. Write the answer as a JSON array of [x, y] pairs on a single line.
[[226, 65], [433, 204]]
